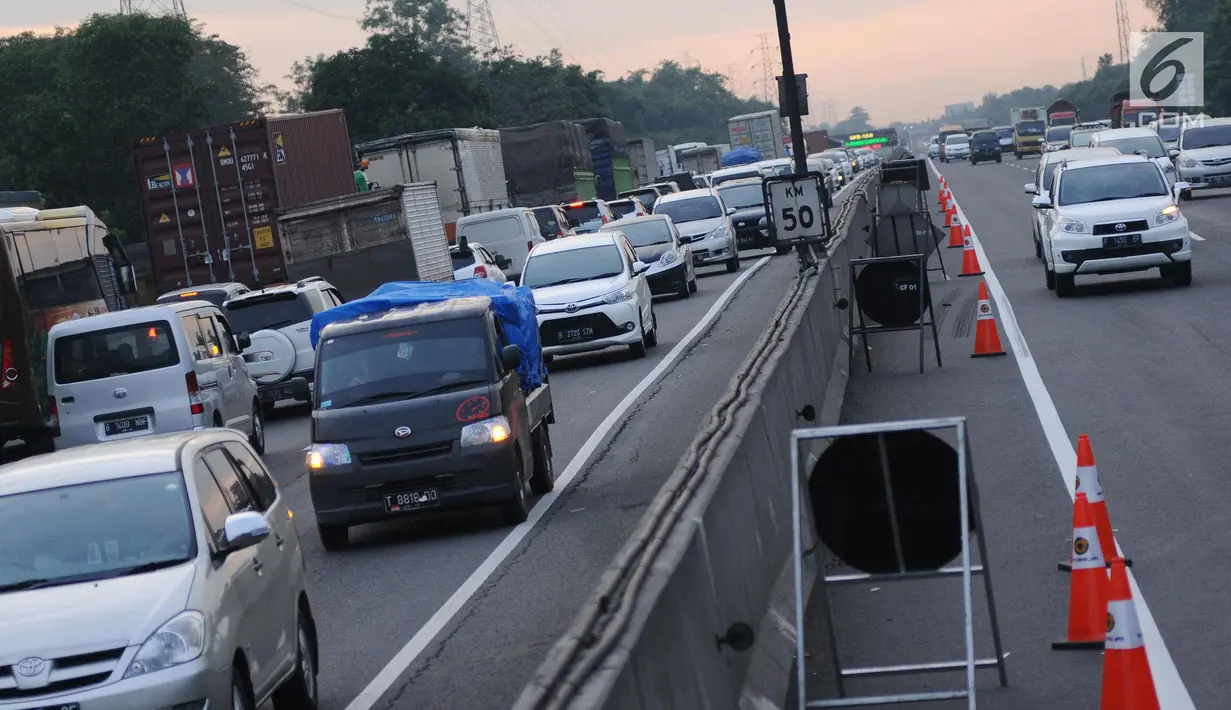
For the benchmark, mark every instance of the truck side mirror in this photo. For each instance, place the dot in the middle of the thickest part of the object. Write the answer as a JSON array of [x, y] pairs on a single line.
[[243, 341], [510, 357]]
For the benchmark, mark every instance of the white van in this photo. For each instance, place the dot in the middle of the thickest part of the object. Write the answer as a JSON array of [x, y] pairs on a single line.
[[507, 234], [151, 370]]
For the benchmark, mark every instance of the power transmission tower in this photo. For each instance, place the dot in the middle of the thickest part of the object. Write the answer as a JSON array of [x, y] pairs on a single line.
[[1083, 69], [174, 8], [1122, 29], [829, 112], [768, 84], [732, 76], [481, 27]]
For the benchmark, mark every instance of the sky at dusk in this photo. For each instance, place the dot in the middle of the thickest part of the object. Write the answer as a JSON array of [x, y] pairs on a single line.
[[899, 59]]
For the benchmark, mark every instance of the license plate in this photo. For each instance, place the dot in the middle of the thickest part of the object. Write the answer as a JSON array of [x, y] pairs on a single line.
[[275, 393], [572, 335], [1121, 240], [126, 425], [61, 706], [745, 241], [413, 500]]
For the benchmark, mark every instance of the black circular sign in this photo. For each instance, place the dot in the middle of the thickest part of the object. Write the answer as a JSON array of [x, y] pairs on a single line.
[[888, 293]]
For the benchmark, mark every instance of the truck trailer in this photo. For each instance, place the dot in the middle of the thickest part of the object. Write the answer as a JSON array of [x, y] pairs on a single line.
[[465, 163], [643, 161], [762, 130], [609, 156], [547, 164], [1062, 112]]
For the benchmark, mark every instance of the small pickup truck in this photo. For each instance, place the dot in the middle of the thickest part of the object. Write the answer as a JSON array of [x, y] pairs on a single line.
[[422, 407]]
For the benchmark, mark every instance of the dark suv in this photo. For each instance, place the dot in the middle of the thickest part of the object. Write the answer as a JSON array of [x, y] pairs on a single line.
[[984, 145]]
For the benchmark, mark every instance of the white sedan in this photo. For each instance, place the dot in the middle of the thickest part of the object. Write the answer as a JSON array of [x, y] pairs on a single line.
[[473, 261], [1113, 215]]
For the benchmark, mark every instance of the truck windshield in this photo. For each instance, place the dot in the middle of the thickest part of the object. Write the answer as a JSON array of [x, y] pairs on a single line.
[[267, 312], [403, 362], [1031, 128]]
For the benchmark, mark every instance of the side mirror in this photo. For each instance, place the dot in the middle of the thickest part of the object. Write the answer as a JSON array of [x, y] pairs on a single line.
[[503, 261], [1173, 153], [1180, 187], [1041, 202], [1031, 189], [640, 267], [510, 357], [243, 341], [300, 390], [730, 211], [243, 530]]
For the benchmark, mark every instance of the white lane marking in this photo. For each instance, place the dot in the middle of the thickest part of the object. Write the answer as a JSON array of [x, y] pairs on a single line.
[[428, 632], [1196, 236], [1172, 694]]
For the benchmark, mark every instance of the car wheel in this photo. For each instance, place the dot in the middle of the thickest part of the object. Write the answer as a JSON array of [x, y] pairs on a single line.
[[544, 478], [257, 437], [1049, 277], [267, 408], [299, 691], [1066, 285], [1181, 274], [516, 509], [1018, 156], [692, 285], [733, 265], [973, 161], [685, 290], [651, 338], [333, 537], [241, 692]]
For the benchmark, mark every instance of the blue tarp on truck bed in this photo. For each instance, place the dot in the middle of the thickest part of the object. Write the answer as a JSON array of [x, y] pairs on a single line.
[[513, 305]]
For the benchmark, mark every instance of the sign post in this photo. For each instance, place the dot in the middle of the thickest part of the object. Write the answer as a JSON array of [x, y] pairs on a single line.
[[797, 209]]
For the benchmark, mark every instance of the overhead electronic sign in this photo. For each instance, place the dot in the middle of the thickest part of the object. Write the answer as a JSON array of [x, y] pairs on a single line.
[[871, 139]]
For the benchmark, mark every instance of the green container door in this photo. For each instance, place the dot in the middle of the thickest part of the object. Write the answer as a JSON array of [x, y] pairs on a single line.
[[587, 187], [622, 174]]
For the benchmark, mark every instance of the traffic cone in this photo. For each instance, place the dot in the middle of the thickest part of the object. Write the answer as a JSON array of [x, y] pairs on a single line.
[[1127, 682], [1088, 482], [950, 215], [966, 230], [1087, 586], [970, 260], [942, 197], [955, 235], [987, 338]]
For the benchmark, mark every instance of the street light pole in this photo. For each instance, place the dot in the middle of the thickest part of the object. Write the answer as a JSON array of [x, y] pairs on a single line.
[[791, 91]]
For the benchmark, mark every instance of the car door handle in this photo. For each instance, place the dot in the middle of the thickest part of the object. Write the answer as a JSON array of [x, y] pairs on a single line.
[[257, 565], [278, 540]]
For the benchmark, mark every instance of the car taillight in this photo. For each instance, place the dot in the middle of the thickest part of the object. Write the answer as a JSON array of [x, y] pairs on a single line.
[[194, 393], [10, 372], [559, 233], [52, 409], [480, 272], [604, 219], [529, 245]]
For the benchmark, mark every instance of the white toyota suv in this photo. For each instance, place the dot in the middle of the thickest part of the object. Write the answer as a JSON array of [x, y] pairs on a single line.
[[1112, 215], [279, 318], [591, 293]]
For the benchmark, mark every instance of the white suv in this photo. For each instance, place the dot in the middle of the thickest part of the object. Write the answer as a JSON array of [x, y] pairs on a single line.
[[1204, 155], [278, 319], [1112, 215]]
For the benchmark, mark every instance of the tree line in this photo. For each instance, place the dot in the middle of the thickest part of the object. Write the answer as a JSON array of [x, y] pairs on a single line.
[[75, 100]]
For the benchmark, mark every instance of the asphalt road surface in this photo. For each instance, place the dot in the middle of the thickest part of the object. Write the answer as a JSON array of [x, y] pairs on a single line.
[[1137, 364]]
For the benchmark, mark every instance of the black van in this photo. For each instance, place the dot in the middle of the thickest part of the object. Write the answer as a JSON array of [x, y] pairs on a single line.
[[985, 145]]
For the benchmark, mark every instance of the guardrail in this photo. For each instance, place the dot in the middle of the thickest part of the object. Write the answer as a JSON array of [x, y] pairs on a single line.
[[693, 611]]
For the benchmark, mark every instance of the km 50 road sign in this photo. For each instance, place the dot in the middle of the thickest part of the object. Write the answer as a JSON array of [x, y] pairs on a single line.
[[798, 208]]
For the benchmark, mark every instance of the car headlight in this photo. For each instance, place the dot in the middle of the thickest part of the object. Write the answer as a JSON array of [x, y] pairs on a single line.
[[180, 640], [618, 296], [1166, 215], [668, 257], [1069, 225], [717, 232], [322, 455], [488, 431], [1187, 163]]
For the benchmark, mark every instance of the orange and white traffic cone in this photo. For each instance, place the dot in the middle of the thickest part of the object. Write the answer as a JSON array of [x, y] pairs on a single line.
[[970, 260], [1088, 585], [1088, 482], [950, 215], [987, 338], [942, 197], [1127, 682], [955, 235]]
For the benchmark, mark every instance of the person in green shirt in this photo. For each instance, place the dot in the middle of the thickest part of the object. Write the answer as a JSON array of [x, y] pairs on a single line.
[[361, 177]]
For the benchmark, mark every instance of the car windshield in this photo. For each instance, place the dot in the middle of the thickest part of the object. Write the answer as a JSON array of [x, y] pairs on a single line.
[[648, 233], [267, 312], [573, 266], [94, 531], [1103, 183], [1169, 132], [619, 208], [1206, 137], [124, 350], [1058, 134], [960, 139], [987, 137], [690, 210], [491, 231], [1151, 146], [1081, 139], [1005, 132], [743, 196], [549, 222], [648, 196], [403, 362], [1031, 128]]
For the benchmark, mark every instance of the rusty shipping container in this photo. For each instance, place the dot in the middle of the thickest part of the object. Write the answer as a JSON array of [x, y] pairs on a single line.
[[210, 195]]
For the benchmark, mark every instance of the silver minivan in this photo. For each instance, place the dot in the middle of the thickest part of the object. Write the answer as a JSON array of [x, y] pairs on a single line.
[[143, 371], [509, 234]]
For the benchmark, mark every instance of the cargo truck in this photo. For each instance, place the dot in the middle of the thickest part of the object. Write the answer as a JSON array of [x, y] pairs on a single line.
[[360, 241], [547, 164], [1029, 127], [762, 130], [1062, 112], [55, 265], [609, 157], [465, 163], [643, 161], [210, 196], [1126, 113], [701, 161]]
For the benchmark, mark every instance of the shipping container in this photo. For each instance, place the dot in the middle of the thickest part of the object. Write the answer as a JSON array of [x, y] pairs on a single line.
[[701, 161], [642, 160], [547, 164], [210, 195], [761, 130], [465, 163], [361, 241]]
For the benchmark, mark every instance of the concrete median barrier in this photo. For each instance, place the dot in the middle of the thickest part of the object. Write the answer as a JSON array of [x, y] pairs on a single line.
[[697, 609]]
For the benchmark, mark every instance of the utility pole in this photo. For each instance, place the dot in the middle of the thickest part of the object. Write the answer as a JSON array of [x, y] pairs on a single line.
[[791, 90]]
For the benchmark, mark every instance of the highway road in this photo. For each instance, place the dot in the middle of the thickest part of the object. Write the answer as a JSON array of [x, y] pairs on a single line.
[[457, 610], [1132, 361]]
